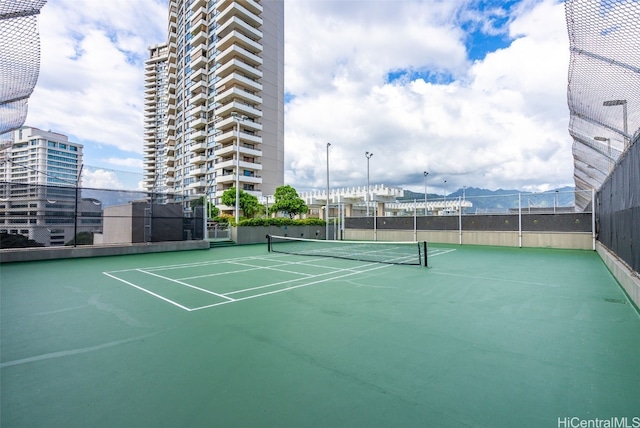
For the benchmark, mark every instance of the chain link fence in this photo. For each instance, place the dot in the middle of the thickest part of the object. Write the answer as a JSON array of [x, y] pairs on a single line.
[[19, 59], [603, 88], [552, 211], [36, 215]]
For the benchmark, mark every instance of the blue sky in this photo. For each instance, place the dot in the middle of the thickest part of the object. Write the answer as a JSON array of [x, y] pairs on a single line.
[[472, 91]]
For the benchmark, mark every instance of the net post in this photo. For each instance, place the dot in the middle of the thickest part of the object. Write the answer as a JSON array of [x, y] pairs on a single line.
[[269, 243], [424, 245]]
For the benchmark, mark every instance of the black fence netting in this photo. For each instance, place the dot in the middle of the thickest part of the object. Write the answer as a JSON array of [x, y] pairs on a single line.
[[618, 213], [603, 87], [37, 215]]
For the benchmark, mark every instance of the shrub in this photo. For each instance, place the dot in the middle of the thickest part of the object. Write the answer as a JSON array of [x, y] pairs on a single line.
[[281, 221]]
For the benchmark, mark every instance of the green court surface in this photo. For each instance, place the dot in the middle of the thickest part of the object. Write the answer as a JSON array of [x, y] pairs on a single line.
[[239, 337]]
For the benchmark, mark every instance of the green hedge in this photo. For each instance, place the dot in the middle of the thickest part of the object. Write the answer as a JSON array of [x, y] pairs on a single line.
[[281, 221]]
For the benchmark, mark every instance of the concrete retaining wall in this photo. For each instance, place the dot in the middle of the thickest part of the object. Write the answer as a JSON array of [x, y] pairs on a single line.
[[566, 240], [51, 253], [258, 234], [628, 279]]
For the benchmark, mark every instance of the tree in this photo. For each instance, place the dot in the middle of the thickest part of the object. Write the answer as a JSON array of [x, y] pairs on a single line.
[[288, 201], [212, 210], [17, 241], [248, 203], [82, 238]]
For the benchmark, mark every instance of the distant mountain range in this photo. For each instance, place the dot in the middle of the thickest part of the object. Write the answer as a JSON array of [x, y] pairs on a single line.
[[501, 199]]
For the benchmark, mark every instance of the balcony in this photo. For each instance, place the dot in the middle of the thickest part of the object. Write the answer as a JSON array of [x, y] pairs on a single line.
[[240, 108], [234, 79], [237, 66], [237, 38], [223, 151], [237, 93], [235, 51], [198, 123], [230, 136], [198, 148], [230, 165], [236, 10], [200, 61], [197, 4], [199, 17], [198, 85], [236, 23], [199, 135], [199, 99], [198, 184], [197, 160], [197, 172]]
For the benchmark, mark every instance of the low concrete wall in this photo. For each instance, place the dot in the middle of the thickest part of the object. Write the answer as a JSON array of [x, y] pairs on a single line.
[[628, 279], [566, 240], [51, 253], [258, 234]]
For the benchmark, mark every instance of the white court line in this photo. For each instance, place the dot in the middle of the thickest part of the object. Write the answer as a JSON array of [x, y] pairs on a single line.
[[253, 267], [296, 279], [148, 292], [189, 265], [231, 300], [186, 285], [278, 270], [291, 288], [440, 252]]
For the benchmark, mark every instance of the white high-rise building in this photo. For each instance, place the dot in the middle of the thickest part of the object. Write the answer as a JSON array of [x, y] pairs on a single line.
[[39, 180], [214, 101]]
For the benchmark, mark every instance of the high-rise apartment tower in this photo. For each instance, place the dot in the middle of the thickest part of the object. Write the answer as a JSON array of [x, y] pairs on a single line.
[[39, 180], [214, 101]]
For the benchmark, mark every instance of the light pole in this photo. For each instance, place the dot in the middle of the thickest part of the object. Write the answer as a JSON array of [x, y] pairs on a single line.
[[326, 209], [237, 120], [608, 140], [622, 103], [444, 196], [366, 199], [426, 211]]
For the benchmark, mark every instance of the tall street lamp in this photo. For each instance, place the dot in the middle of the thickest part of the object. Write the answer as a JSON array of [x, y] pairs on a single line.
[[366, 198], [425, 193], [608, 140], [444, 195], [622, 103], [326, 209], [237, 120]]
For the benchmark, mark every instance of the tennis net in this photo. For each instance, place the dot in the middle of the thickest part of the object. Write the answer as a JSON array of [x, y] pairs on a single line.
[[400, 253]]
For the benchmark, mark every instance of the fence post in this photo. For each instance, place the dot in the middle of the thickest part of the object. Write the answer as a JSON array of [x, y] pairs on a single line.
[[415, 220], [593, 218], [460, 220], [519, 220]]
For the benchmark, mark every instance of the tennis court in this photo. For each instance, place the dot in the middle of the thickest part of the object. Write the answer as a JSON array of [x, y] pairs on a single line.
[[242, 337]]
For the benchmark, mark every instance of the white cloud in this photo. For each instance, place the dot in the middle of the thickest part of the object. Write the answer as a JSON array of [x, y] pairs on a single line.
[[501, 123], [497, 122], [128, 162], [101, 179], [91, 80]]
